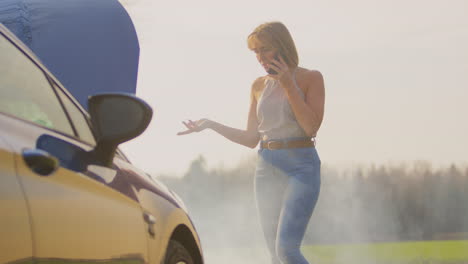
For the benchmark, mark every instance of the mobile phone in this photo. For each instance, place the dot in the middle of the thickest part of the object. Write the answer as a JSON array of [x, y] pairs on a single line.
[[271, 71]]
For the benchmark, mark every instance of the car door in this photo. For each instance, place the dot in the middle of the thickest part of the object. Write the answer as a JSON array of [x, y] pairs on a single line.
[[15, 229], [74, 217]]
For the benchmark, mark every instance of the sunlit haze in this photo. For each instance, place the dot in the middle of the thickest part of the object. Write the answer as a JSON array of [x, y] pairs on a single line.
[[396, 77]]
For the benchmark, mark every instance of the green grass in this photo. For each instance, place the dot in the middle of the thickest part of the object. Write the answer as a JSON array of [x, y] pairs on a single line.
[[424, 252]]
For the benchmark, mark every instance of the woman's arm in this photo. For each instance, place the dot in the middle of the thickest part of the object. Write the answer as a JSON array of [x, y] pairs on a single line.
[[308, 112], [249, 137]]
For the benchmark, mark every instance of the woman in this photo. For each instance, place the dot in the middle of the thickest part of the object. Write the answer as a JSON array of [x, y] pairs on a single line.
[[286, 111]]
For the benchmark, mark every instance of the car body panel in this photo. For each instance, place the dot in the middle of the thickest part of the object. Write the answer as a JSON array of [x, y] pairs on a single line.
[[74, 216], [14, 222], [157, 200]]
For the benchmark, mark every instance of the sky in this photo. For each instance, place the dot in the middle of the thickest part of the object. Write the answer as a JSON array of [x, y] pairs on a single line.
[[396, 78]]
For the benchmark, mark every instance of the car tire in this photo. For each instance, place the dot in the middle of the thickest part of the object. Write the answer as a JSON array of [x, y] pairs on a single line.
[[177, 254]]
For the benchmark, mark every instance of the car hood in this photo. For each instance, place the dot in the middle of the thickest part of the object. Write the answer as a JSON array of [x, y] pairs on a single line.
[[90, 46]]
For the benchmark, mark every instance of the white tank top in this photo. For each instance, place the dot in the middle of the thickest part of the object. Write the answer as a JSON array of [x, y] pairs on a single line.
[[275, 116]]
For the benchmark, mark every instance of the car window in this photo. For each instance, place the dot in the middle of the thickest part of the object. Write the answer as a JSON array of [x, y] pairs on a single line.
[[26, 92], [80, 121]]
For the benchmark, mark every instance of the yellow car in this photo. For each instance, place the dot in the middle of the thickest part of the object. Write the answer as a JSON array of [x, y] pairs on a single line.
[[67, 193]]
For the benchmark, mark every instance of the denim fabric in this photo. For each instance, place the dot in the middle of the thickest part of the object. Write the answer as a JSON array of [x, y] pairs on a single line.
[[287, 186]]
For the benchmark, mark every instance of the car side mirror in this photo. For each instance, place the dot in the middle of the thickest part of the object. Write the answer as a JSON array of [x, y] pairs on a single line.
[[116, 118]]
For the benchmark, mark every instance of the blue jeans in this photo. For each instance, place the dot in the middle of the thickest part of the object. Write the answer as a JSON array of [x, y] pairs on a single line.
[[287, 186]]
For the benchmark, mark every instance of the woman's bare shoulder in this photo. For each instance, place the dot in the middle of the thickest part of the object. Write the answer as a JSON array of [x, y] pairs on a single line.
[[309, 75], [259, 82], [309, 78]]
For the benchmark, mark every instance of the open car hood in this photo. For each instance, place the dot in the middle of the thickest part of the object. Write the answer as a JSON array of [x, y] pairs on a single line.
[[91, 46]]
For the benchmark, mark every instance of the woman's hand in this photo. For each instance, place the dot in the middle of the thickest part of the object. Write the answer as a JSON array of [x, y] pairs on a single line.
[[284, 74], [195, 126]]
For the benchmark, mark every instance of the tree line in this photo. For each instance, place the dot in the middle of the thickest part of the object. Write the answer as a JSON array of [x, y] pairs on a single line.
[[386, 203]]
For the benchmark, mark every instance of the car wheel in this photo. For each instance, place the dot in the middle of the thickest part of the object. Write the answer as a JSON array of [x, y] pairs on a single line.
[[177, 254]]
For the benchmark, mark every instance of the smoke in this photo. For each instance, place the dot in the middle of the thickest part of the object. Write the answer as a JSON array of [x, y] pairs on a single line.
[[358, 206]]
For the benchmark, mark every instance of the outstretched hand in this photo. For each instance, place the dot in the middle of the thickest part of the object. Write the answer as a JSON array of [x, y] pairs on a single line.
[[195, 126]]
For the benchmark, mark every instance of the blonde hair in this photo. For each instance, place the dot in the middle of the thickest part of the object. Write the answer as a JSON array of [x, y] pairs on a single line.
[[275, 35]]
